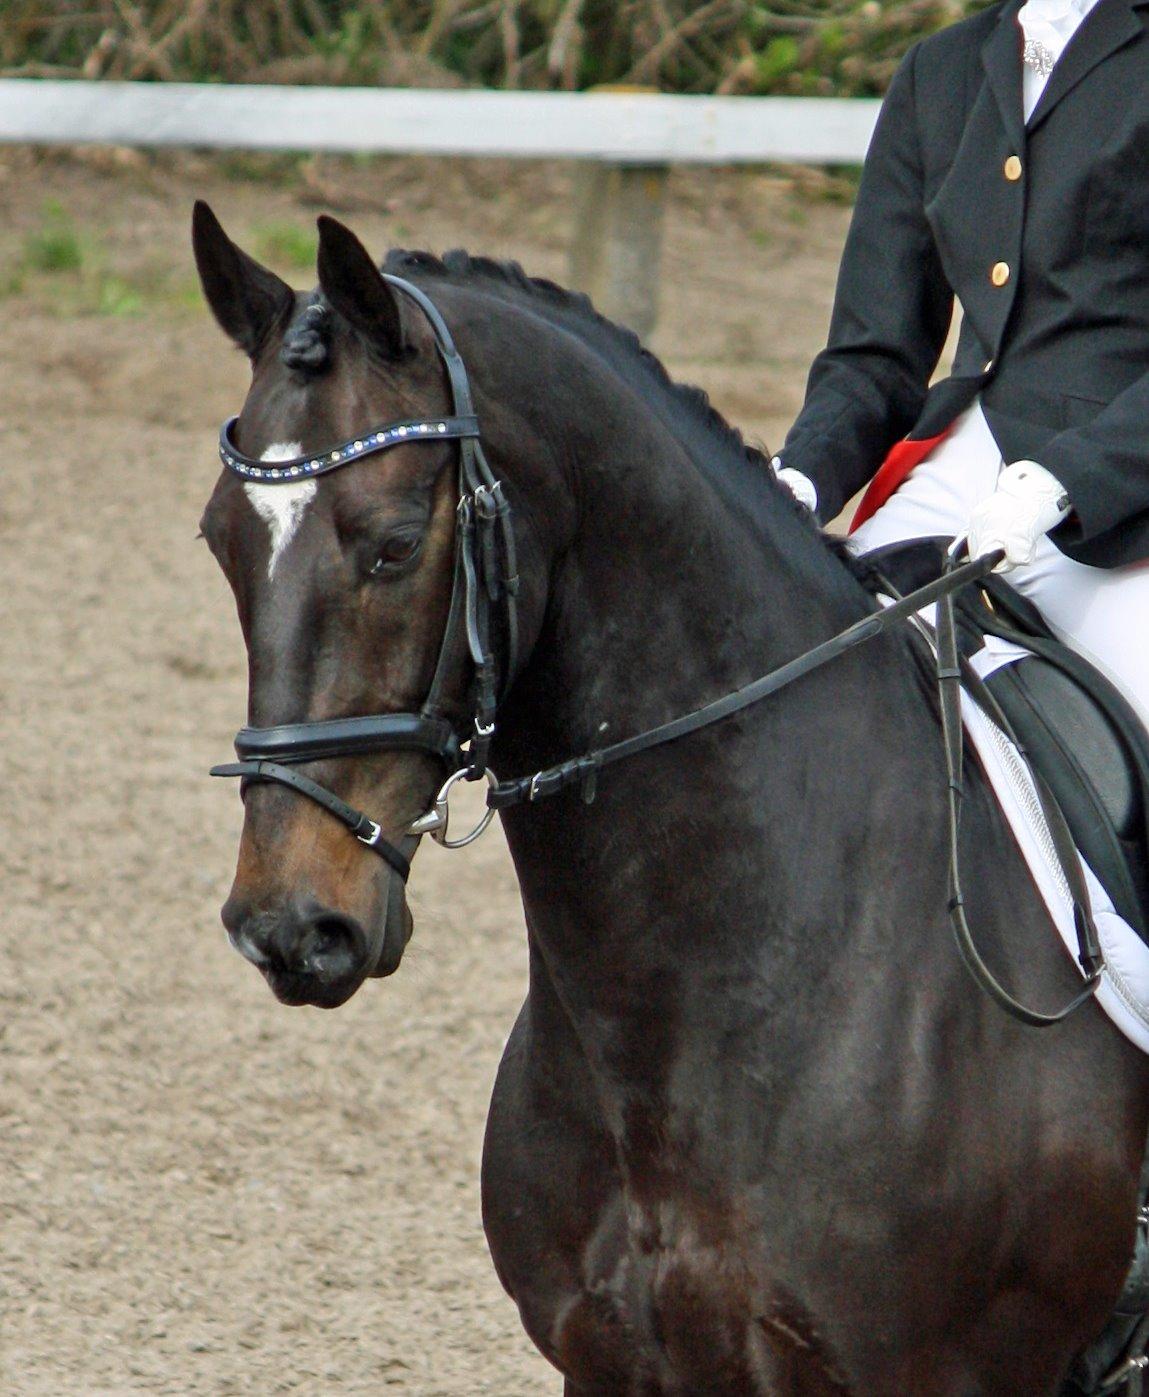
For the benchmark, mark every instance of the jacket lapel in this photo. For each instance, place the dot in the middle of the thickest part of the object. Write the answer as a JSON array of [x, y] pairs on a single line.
[[1110, 25], [1001, 58]]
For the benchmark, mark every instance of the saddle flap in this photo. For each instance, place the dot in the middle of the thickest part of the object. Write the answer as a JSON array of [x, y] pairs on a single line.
[[1082, 736], [1074, 747]]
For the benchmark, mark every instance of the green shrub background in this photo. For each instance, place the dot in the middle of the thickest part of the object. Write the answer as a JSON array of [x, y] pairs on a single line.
[[803, 47]]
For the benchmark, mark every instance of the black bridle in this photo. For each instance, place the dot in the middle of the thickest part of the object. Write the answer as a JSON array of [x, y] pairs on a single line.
[[485, 580]]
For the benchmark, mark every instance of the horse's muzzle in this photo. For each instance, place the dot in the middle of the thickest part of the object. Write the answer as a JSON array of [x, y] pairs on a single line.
[[312, 954]]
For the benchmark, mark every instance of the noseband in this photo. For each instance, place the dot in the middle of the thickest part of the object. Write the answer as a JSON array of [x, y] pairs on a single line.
[[485, 582]]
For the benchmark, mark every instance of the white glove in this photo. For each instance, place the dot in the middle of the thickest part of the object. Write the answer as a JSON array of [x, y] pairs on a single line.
[[1027, 503], [799, 485]]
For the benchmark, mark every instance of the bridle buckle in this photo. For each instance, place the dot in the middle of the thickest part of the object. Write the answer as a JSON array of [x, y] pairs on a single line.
[[488, 500]]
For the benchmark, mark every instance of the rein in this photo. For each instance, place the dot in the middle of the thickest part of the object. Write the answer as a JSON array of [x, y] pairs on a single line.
[[485, 578], [585, 769], [952, 671]]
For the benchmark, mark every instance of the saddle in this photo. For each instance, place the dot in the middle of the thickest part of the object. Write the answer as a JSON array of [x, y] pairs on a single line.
[[1080, 734]]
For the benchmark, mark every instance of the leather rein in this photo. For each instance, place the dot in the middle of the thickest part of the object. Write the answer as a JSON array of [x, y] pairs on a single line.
[[485, 583]]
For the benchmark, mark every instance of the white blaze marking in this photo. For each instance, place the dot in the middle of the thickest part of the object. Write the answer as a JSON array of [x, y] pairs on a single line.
[[281, 507]]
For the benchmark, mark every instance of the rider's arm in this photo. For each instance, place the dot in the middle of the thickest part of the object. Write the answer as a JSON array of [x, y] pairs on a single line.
[[1104, 467], [891, 315]]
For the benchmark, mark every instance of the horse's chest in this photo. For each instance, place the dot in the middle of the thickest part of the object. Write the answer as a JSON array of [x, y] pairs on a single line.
[[629, 1275], [676, 1304]]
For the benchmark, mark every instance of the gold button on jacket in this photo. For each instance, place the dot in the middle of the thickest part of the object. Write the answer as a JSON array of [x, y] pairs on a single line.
[[1013, 168], [1000, 274]]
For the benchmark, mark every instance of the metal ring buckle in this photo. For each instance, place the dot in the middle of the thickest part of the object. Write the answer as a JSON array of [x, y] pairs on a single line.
[[373, 838], [434, 822]]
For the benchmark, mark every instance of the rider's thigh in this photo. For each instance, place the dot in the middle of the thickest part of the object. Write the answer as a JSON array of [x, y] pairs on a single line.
[[1099, 612]]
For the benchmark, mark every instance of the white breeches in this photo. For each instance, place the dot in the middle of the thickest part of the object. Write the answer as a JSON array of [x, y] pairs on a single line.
[[1103, 613]]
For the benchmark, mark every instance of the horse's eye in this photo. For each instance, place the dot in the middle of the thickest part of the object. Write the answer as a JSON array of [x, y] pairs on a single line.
[[395, 552]]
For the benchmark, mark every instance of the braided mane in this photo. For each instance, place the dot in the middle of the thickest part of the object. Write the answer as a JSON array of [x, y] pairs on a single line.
[[739, 471], [573, 307]]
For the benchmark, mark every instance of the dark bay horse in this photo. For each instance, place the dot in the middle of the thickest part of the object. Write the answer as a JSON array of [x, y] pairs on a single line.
[[755, 1130]]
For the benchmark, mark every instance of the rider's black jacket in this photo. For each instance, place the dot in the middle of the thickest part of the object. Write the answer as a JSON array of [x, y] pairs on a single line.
[[1042, 231]]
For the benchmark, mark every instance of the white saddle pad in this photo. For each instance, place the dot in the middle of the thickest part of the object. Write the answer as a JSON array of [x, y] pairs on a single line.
[[1124, 989]]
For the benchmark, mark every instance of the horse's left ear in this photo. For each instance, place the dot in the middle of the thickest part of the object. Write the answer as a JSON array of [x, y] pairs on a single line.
[[355, 287]]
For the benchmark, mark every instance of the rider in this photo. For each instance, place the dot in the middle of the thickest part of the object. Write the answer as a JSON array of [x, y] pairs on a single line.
[[1008, 169]]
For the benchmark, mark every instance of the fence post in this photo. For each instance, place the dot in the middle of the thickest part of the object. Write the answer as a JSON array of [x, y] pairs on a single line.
[[616, 247]]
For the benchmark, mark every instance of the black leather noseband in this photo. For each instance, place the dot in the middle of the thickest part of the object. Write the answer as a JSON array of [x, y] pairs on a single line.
[[484, 580], [351, 737]]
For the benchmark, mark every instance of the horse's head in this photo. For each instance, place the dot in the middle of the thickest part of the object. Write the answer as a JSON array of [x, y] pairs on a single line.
[[344, 580]]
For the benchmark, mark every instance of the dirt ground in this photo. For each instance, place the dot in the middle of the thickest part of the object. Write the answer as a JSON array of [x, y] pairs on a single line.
[[202, 1191]]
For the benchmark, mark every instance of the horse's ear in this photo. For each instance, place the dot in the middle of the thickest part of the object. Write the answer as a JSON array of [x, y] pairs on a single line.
[[247, 300], [355, 287]]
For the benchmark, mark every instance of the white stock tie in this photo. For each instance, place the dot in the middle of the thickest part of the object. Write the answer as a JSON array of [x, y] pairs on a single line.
[[1047, 26]]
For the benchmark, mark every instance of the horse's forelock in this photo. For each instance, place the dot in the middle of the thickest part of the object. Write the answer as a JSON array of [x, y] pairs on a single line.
[[307, 342]]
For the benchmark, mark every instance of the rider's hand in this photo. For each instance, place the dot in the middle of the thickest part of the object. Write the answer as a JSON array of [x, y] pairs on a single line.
[[1027, 503], [799, 485]]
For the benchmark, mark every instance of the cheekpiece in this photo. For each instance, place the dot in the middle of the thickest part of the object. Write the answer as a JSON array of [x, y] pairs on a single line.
[[333, 458]]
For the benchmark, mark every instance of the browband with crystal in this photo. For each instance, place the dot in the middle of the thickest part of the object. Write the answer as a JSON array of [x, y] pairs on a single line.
[[330, 459]]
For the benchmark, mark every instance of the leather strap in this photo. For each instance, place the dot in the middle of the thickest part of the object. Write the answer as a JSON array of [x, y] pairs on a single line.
[[949, 676], [458, 427], [346, 737], [582, 770], [360, 825]]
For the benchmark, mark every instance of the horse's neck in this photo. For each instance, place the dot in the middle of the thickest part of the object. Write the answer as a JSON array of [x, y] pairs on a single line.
[[667, 597], [705, 894], [713, 904], [670, 589]]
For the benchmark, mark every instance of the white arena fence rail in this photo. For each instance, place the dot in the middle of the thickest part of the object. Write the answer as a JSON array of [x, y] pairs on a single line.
[[625, 140]]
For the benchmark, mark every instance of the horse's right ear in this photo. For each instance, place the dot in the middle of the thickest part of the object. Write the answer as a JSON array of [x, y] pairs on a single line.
[[247, 300]]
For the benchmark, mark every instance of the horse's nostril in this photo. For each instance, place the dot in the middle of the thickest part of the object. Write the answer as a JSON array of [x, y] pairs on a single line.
[[332, 947], [308, 953], [247, 948]]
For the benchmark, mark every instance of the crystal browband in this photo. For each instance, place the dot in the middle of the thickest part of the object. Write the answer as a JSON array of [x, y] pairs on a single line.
[[333, 457]]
